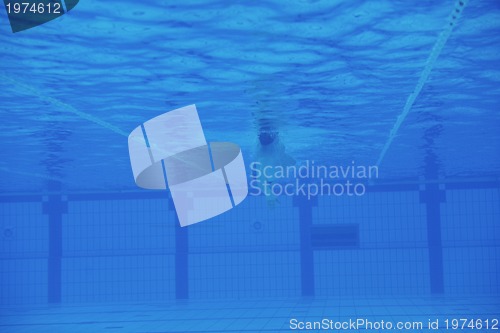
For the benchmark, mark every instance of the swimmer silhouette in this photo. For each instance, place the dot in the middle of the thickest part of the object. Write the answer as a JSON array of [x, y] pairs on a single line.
[[27, 14], [267, 119], [269, 150]]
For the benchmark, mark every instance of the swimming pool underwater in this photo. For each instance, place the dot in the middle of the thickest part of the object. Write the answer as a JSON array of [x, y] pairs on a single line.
[[399, 88], [333, 75]]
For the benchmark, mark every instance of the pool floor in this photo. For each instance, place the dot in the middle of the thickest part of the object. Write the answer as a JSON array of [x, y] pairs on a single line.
[[266, 315]]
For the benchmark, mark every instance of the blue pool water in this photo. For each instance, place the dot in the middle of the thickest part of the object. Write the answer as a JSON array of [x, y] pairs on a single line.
[[399, 85], [334, 75]]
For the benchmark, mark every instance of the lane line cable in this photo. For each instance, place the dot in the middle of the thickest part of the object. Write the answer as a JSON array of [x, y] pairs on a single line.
[[429, 64], [82, 115]]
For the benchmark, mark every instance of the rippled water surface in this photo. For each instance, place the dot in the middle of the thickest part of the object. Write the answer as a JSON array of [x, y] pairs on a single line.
[[332, 76]]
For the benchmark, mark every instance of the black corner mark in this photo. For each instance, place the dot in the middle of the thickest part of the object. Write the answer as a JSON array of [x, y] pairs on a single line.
[[27, 14]]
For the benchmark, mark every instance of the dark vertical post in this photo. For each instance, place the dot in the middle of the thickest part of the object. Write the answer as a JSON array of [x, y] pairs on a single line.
[[54, 136], [54, 207], [181, 258], [305, 206], [432, 196]]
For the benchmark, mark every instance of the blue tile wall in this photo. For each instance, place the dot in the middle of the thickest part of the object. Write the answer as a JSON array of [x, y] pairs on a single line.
[[471, 241], [392, 256], [124, 250], [251, 251], [23, 253]]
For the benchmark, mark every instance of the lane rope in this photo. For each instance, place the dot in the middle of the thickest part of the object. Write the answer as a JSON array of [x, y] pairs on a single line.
[[429, 64]]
